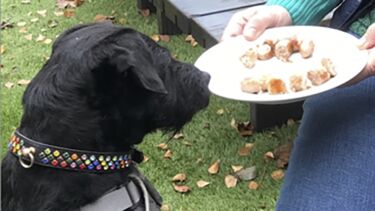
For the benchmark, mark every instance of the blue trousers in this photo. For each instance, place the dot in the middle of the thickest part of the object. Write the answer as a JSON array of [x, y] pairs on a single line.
[[332, 165]]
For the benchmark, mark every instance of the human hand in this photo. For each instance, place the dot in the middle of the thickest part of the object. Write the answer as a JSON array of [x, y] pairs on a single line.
[[367, 43], [253, 21]]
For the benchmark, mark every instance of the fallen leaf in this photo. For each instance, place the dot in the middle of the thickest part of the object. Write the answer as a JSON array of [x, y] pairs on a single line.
[[2, 49], [269, 155], [47, 41], [29, 14], [278, 174], [290, 122], [43, 30], [181, 188], [168, 154], [202, 183], [29, 37], [33, 20], [220, 111], [237, 168], [21, 24], [186, 143], [145, 159], [122, 21], [9, 85], [253, 185], [230, 181], [164, 207], [245, 128], [233, 123], [165, 38], [245, 151], [247, 173], [155, 37], [199, 160], [25, 1], [189, 38], [194, 43], [162, 146], [180, 177], [58, 13], [214, 168], [103, 18], [22, 30], [40, 38], [145, 12], [68, 3], [23, 82], [69, 13], [282, 154], [42, 13], [52, 23], [178, 136], [6, 25]]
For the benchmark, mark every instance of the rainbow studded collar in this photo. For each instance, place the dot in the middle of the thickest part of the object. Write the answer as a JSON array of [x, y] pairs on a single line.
[[30, 152]]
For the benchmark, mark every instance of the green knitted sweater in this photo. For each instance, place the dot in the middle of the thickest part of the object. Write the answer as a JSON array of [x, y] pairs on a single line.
[[311, 12]]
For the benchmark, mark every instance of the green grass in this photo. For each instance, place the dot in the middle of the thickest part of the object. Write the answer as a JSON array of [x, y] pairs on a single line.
[[23, 58]]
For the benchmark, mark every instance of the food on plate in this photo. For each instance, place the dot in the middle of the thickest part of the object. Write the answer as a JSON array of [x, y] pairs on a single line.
[[306, 48], [276, 86], [284, 49], [329, 66], [249, 58], [298, 83], [265, 51], [251, 85]]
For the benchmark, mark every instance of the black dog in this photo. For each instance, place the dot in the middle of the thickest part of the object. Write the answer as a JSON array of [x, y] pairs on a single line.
[[102, 90]]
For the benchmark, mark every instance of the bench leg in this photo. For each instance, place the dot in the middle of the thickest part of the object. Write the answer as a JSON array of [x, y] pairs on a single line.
[[165, 25], [266, 116], [145, 4]]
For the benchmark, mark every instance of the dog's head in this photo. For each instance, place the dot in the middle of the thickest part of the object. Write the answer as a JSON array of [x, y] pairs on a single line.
[[106, 86]]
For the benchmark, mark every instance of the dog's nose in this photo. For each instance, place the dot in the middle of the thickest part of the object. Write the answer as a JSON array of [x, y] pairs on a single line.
[[206, 76]]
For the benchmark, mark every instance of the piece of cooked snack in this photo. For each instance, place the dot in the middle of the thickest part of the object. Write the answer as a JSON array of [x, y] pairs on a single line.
[[249, 58], [330, 67], [276, 86], [298, 83], [264, 51], [306, 48], [318, 76], [251, 85], [284, 49]]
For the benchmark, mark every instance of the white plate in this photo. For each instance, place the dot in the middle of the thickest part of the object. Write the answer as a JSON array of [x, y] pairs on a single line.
[[227, 71]]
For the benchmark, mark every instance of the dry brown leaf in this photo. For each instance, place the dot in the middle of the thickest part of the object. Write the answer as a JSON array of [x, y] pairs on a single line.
[[220, 111], [245, 128], [103, 18], [145, 159], [164, 207], [155, 37], [230, 181], [9, 85], [21, 24], [181, 188], [69, 12], [29, 14], [22, 30], [68, 3], [269, 155], [47, 41], [145, 12], [186, 143], [40, 38], [237, 168], [194, 43], [202, 183], [180, 177], [278, 174], [233, 123], [162, 146], [42, 13], [199, 160], [58, 13], [245, 151], [29, 37], [165, 38], [189, 38], [214, 168], [23, 82], [282, 154], [178, 136], [253, 185], [2, 49], [168, 154], [52, 23], [33, 20]]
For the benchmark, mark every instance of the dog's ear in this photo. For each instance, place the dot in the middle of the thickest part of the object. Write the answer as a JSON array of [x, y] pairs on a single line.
[[135, 62]]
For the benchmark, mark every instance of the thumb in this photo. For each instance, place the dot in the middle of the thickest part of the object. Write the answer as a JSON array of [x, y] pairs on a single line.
[[368, 39]]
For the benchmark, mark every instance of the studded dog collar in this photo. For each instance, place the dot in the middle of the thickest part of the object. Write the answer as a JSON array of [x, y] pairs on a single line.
[[31, 152]]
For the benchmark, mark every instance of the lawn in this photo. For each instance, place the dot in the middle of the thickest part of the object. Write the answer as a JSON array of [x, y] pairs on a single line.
[[207, 138]]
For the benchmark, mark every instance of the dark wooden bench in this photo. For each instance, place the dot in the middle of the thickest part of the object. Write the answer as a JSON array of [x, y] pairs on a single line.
[[205, 20]]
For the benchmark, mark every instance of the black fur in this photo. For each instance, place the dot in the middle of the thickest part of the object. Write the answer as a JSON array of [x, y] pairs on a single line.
[[103, 89]]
